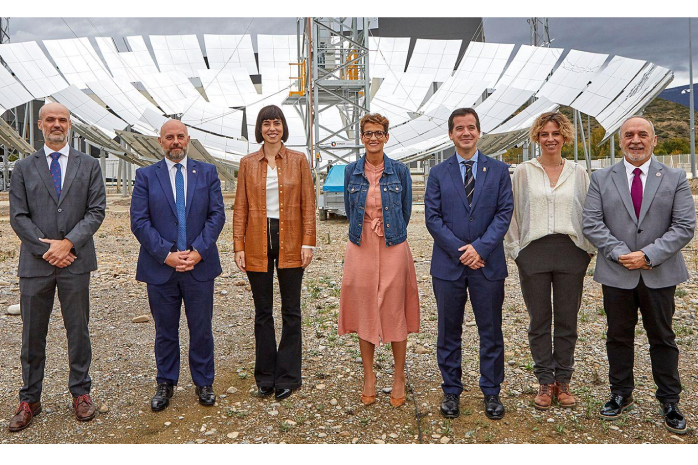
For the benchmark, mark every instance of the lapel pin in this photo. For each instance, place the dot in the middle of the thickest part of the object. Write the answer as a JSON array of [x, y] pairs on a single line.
[[658, 174], [484, 168], [193, 171]]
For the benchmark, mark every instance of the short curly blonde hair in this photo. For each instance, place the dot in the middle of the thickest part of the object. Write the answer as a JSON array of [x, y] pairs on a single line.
[[566, 128], [375, 118]]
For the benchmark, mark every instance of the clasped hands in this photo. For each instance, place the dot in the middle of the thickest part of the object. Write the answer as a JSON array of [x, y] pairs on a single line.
[[183, 261], [306, 258], [58, 253], [634, 261], [470, 257]]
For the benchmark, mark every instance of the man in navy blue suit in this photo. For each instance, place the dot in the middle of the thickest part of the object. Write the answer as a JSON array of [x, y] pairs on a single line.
[[468, 207], [177, 214]]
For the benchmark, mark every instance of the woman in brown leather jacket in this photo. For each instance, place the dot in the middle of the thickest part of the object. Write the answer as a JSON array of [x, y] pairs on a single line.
[[274, 224]]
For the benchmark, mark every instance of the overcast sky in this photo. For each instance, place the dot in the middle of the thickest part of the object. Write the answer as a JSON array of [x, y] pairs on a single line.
[[663, 41]]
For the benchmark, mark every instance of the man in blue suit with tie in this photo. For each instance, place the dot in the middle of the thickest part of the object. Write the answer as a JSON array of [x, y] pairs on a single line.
[[468, 207], [177, 214]]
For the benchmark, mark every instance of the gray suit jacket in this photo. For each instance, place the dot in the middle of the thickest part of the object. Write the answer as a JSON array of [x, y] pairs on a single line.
[[666, 224], [36, 212]]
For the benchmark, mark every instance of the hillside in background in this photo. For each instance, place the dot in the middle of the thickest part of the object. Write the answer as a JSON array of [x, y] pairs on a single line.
[[670, 120]]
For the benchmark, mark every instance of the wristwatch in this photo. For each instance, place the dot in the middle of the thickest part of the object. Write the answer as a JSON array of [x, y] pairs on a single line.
[[647, 260]]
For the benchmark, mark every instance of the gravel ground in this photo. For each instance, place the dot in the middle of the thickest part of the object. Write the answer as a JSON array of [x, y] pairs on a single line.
[[327, 408]]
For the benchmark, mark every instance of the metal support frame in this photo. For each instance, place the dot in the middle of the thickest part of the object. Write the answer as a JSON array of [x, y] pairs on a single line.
[[587, 155], [692, 123], [335, 54], [613, 149]]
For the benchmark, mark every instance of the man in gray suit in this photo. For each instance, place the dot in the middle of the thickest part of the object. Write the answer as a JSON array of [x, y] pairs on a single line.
[[57, 203], [640, 214]]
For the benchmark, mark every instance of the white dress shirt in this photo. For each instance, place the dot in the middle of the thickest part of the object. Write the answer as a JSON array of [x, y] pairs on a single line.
[[62, 160], [172, 171], [629, 168], [272, 193]]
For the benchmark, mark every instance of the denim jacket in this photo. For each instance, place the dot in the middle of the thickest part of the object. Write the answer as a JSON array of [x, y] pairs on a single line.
[[396, 199]]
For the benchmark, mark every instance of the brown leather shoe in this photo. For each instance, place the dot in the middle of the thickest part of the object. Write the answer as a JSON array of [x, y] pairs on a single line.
[[24, 415], [84, 408], [544, 397], [564, 396]]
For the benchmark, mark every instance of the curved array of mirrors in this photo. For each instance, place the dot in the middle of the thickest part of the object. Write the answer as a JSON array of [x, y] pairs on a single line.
[[127, 94]]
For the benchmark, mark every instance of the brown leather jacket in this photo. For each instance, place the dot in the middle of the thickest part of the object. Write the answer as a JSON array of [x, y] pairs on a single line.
[[296, 209]]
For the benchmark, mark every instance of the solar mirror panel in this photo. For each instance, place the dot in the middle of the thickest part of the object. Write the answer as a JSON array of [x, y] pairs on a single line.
[[573, 75], [387, 55], [214, 118], [179, 53], [12, 93], [127, 65], [87, 109], [277, 51], [123, 98], [484, 62], [637, 94], [501, 105], [172, 91], [530, 68], [457, 92], [525, 118], [435, 58], [77, 60], [32, 68], [228, 87], [230, 51], [607, 85]]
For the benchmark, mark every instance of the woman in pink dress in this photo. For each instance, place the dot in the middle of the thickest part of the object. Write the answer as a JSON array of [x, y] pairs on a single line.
[[380, 300]]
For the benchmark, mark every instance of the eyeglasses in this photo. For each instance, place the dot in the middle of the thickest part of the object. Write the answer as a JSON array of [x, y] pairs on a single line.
[[370, 134]]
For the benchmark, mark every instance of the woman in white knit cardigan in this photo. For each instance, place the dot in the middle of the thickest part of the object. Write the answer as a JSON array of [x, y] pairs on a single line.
[[546, 241]]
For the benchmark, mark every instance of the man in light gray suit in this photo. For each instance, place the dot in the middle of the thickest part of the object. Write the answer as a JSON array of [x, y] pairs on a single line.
[[57, 203], [640, 214]]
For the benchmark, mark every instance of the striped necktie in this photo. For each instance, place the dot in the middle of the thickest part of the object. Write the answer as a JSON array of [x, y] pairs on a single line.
[[469, 181], [181, 211]]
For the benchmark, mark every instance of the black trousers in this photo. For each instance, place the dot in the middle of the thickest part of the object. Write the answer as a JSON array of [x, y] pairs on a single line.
[[280, 368], [36, 300], [552, 264], [657, 308]]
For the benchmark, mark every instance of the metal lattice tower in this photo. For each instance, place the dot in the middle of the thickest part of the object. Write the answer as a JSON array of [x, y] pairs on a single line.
[[332, 72], [4, 30], [540, 32]]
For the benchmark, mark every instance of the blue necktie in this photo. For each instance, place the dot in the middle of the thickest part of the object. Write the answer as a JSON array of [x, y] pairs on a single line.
[[56, 172], [181, 211]]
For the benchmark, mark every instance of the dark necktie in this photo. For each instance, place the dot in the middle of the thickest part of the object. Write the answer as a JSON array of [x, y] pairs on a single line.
[[56, 172], [181, 211], [469, 181], [636, 191]]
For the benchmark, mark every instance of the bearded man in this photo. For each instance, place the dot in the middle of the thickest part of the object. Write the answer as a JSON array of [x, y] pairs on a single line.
[[57, 204], [640, 214], [177, 214]]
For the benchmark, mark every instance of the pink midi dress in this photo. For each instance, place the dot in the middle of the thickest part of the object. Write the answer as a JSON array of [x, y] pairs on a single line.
[[380, 299]]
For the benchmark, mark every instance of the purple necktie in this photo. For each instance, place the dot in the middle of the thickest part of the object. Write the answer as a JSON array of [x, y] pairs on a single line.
[[636, 191], [56, 172]]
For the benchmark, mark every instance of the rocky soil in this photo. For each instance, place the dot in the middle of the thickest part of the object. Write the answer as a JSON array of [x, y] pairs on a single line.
[[327, 408]]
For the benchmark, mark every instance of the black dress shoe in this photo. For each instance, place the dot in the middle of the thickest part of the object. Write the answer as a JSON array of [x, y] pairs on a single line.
[[616, 405], [449, 406], [282, 393], [206, 395], [674, 420], [162, 396], [494, 409], [263, 391]]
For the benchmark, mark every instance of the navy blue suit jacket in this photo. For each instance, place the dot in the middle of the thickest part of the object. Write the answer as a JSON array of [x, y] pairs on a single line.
[[154, 220], [453, 224]]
